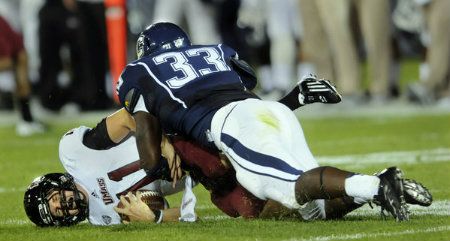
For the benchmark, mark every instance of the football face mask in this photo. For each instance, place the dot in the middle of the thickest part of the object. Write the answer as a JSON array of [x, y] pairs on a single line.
[[63, 203], [48, 188]]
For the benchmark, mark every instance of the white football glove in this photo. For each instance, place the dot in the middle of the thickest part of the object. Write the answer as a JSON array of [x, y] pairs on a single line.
[[187, 209], [313, 90]]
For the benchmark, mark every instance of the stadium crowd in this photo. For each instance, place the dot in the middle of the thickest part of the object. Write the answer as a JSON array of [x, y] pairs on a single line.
[[56, 51]]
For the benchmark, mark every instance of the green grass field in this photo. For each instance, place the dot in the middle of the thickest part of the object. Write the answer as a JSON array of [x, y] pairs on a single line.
[[417, 141], [363, 140]]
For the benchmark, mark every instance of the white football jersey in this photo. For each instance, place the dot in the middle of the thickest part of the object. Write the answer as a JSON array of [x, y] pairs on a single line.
[[105, 174]]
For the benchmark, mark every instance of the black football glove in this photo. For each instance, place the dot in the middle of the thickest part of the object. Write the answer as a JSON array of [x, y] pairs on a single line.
[[313, 90], [160, 171]]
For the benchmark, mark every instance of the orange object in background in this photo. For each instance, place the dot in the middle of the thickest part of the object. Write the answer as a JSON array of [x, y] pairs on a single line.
[[116, 28]]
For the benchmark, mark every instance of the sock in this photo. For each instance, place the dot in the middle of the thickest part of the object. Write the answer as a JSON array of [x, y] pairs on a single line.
[[24, 104], [362, 187]]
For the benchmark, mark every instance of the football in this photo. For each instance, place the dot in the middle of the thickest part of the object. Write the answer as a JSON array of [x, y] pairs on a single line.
[[153, 200]]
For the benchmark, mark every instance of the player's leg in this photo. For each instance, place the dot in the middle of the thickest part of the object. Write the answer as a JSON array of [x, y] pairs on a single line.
[[265, 182], [169, 11], [252, 136], [280, 18], [272, 161], [200, 18], [316, 183], [414, 193], [385, 189], [14, 58]]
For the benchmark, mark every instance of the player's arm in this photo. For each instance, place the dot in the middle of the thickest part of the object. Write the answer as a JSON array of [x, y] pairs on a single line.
[[310, 90], [242, 68], [110, 131], [148, 140], [148, 129], [171, 215], [245, 71], [173, 160], [119, 125]]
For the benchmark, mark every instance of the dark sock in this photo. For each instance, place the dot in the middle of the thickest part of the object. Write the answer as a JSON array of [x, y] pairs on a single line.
[[291, 99], [24, 104]]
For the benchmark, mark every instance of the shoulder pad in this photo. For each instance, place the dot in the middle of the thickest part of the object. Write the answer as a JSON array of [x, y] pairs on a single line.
[[245, 71], [131, 98]]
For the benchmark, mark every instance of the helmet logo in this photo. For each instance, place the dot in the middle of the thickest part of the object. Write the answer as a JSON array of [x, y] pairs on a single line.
[[36, 182], [44, 213], [118, 85], [140, 47], [166, 46], [162, 36], [178, 42]]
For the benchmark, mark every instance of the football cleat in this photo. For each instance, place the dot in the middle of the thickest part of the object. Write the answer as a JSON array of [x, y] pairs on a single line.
[[418, 93], [313, 90], [25, 128], [416, 193], [390, 194]]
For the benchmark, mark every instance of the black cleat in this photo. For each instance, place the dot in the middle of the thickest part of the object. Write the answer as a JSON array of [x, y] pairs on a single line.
[[416, 193], [390, 194]]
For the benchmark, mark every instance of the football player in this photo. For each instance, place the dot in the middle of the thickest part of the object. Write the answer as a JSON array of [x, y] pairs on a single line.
[[88, 178], [201, 92], [14, 62], [56, 199], [102, 165], [216, 174]]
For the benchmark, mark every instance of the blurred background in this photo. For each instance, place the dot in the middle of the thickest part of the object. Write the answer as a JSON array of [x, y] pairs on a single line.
[[63, 57]]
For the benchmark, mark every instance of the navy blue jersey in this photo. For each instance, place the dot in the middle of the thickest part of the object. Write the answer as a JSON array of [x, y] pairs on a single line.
[[184, 87]]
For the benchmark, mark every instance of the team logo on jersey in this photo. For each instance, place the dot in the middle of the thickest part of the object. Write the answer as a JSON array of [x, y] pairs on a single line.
[[106, 197], [106, 219], [94, 194]]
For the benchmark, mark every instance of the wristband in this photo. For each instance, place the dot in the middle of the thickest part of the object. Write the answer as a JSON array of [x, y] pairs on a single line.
[[158, 215]]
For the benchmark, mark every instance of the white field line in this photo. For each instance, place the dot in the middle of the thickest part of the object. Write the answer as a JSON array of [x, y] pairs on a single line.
[[315, 111], [393, 110], [438, 208], [392, 158], [12, 189], [375, 235]]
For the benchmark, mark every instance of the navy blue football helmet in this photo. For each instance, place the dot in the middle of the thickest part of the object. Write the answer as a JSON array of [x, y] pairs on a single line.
[[161, 36], [36, 200]]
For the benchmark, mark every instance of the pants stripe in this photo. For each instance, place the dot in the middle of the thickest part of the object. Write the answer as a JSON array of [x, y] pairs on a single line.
[[258, 158]]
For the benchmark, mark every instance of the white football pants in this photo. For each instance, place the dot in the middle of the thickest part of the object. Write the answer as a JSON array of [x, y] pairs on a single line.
[[266, 146]]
